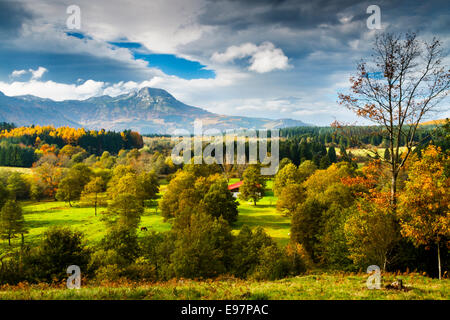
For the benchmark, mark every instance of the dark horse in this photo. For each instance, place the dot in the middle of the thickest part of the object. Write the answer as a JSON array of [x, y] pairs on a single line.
[[144, 229]]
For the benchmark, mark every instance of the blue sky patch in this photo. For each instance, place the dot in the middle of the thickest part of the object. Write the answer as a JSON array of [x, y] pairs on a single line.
[[169, 63]]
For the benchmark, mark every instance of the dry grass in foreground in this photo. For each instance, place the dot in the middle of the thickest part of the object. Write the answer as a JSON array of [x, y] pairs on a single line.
[[337, 286]]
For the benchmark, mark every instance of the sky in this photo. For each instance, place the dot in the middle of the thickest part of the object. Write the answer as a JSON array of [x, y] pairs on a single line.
[[274, 59]]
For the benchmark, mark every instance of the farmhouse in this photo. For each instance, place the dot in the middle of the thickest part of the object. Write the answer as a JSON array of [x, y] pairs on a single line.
[[234, 188]]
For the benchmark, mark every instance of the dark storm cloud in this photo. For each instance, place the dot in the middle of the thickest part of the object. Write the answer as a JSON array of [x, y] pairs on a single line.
[[287, 13], [12, 16], [319, 25]]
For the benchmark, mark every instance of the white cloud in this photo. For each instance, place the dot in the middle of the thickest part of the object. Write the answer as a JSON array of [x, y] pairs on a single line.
[[182, 89], [235, 52], [18, 73], [38, 73], [35, 74], [53, 90], [263, 58]]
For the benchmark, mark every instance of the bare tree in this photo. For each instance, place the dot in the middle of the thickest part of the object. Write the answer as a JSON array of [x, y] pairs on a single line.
[[404, 80]]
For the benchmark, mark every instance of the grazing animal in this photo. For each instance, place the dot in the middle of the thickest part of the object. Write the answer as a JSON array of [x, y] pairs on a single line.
[[144, 229]]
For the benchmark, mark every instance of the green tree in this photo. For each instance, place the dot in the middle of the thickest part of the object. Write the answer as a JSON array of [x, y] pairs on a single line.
[[332, 154], [60, 248], [219, 202], [285, 176], [179, 195], [149, 185], [253, 184], [18, 186], [307, 224], [324, 162], [68, 190], [73, 183], [12, 221], [291, 196], [4, 195], [124, 211], [387, 155], [91, 192], [124, 242], [202, 248]]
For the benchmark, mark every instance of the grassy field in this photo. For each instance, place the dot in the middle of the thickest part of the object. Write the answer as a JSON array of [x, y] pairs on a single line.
[[318, 286], [16, 169], [265, 215], [39, 216]]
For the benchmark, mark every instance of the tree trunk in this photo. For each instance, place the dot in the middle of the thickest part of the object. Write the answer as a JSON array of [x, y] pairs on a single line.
[[23, 240], [439, 260], [394, 191], [95, 205], [9, 240], [254, 202]]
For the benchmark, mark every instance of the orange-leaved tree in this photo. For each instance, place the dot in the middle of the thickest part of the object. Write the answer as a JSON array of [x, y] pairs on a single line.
[[403, 81], [425, 202]]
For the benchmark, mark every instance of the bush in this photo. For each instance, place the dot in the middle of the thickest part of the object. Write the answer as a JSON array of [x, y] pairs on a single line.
[[60, 248], [201, 249], [273, 264], [124, 242], [246, 250]]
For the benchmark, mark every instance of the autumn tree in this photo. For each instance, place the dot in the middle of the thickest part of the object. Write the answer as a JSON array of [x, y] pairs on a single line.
[[305, 170], [371, 234], [424, 204], [414, 82], [48, 174], [253, 184]]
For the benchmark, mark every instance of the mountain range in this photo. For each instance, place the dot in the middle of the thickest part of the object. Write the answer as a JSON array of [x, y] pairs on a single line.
[[147, 111]]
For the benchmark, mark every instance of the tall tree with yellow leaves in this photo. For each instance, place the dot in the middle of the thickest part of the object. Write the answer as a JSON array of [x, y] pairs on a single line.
[[424, 204]]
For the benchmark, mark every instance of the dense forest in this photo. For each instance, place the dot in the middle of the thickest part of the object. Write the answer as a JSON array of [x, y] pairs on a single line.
[[22, 146]]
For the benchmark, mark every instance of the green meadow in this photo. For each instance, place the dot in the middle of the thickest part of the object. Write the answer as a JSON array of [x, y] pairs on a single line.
[[39, 216]]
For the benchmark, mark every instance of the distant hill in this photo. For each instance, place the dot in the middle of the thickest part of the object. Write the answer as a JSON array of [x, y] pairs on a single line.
[[433, 122], [148, 110]]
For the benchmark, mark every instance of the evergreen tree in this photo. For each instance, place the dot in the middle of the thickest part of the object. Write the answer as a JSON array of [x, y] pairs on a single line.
[[387, 154], [332, 154]]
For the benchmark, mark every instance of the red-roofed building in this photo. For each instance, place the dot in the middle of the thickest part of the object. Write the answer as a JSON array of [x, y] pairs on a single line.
[[235, 186]]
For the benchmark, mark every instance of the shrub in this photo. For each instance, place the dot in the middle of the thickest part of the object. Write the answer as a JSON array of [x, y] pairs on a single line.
[[60, 248], [273, 264]]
